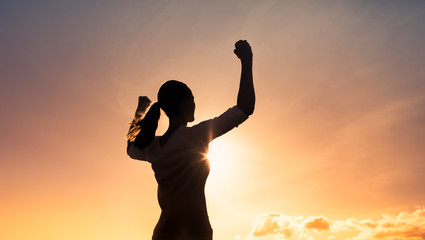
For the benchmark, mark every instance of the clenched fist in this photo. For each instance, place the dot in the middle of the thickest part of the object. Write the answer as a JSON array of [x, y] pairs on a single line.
[[243, 50]]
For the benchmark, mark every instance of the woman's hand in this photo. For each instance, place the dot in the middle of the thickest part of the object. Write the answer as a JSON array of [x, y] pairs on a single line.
[[243, 50]]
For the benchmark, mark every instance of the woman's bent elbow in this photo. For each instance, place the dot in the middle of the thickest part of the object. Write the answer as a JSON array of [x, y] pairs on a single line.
[[129, 153], [130, 150], [248, 110]]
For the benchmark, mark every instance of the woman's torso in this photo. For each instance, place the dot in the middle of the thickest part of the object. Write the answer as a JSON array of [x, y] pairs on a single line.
[[181, 169]]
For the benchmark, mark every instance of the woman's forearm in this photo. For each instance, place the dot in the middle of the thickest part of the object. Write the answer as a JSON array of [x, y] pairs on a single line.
[[246, 94]]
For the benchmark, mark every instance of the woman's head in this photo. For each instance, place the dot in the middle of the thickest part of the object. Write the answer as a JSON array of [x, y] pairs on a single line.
[[176, 98]]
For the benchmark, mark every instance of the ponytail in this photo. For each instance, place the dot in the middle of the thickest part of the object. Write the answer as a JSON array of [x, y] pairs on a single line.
[[142, 130]]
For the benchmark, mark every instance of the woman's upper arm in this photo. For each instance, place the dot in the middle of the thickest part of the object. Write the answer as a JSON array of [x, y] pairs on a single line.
[[213, 128]]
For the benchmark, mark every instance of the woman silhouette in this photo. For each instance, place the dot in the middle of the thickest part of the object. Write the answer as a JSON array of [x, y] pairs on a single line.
[[178, 157]]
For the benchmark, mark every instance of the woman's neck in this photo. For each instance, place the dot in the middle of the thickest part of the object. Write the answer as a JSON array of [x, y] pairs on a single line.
[[174, 124]]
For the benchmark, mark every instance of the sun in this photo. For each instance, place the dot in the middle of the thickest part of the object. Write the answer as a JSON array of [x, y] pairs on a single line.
[[223, 156], [218, 154]]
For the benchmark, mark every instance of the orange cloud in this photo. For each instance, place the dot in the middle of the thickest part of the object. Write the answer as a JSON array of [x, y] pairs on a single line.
[[317, 223], [405, 226], [280, 226]]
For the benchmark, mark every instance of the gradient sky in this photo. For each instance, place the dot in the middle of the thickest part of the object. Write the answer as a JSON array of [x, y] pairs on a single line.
[[336, 141]]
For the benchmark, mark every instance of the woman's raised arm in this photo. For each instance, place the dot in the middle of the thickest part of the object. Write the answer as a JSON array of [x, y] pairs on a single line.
[[246, 94]]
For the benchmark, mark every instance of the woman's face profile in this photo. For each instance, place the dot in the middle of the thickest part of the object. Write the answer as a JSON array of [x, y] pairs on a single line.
[[189, 108]]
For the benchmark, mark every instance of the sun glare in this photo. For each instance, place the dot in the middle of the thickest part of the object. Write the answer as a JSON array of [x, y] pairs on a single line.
[[222, 155]]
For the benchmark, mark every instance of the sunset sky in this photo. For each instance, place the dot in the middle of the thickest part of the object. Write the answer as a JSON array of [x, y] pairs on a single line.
[[334, 150]]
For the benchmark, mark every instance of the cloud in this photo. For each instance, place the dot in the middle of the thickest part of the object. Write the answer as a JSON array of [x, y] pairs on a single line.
[[404, 226], [318, 223], [280, 226]]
